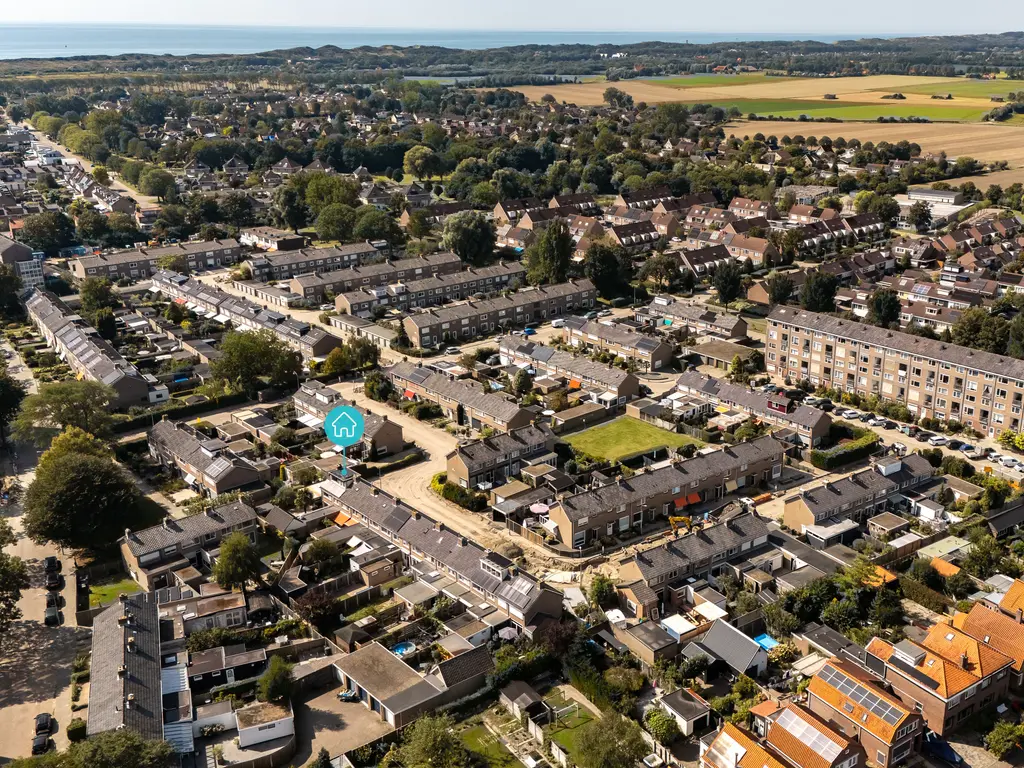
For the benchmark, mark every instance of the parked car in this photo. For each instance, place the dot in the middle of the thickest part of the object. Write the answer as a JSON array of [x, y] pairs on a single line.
[[558, 322], [812, 400], [900, 448], [326, 307], [849, 413], [1008, 461], [452, 350], [866, 417], [591, 315], [529, 331], [910, 429], [796, 394], [889, 424], [923, 437], [953, 444], [53, 600], [494, 360], [41, 744], [935, 746], [876, 421], [348, 695], [645, 390], [51, 617], [937, 440], [604, 313], [51, 564], [44, 723], [993, 456], [827, 406], [966, 448], [769, 388], [53, 580]]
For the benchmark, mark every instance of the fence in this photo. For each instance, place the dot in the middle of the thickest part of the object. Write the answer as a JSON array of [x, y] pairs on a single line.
[[536, 538], [560, 755], [892, 555], [270, 760], [149, 419]]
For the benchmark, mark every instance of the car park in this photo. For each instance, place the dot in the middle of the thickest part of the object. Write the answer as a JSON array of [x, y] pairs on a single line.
[[937, 440]]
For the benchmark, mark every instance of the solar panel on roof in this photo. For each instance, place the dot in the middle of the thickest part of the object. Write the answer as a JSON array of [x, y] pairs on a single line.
[[861, 695], [218, 466]]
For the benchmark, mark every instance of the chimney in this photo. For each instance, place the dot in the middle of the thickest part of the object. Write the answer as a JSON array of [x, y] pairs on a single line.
[[167, 523], [963, 661], [122, 671], [123, 597], [374, 490], [439, 527], [131, 644], [462, 541]]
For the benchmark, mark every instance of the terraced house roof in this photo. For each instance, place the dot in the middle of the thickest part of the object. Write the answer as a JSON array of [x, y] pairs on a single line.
[[454, 391], [856, 694], [995, 629]]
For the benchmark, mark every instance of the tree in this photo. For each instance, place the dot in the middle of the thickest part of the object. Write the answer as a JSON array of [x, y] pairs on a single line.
[[320, 551], [603, 267], [613, 97], [156, 182], [318, 608], [470, 236], [96, 293], [663, 269], [10, 290], [547, 259], [105, 324], [101, 175], [91, 226], [173, 262], [841, 615], [324, 190], [921, 570], [277, 683], [377, 386], [885, 207], [887, 609], [920, 215], [48, 232], [610, 742], [1004, 737], [62, 404], [433, 742], [778, 621], [238, 563], [779, 288], [377, 225], [728, 280], [249, 356], [661, 726], [522, 384], [421, 162], [73, 442], [419, 223], [819, 292], [960, 585], [601, 592], [290, 209], [323, 759], [984, 558], [119, 748], [335, 222], [13, 579], [80, 502], [884, 308], [12, 393]]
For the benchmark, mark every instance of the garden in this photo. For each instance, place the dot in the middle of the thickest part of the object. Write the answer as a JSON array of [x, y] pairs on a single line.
[[626, 437]]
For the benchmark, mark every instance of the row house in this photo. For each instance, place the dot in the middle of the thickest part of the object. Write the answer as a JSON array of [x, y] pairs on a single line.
[[922, 315], [746, 208], [22, 261], [755, 249], [141, 263], [89, 355], [920, 252], [758, 291], [582, 204], [437, 213], [494, 458], [462, 402], [811, 425], [932, 378], [314, 400], [314, 286], [807, 214], [430, 291], [609, 385], [539, 219], [639, 236], [288, 264], [433, 327], [704, 260], [803, 739], [152, 555], [858, 496], [695, 319], [656, 582], [704, 216], [649, 353], [996, 629], [948, 676], [431, 547], [732, 747], [511, 211], [644, 198], [584, 518], [271, 239], [863, 708], [513, 237]]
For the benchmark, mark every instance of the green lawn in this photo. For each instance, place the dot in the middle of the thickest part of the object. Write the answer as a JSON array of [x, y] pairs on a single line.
[[482, 742], [977, 89], [624, 437], [848, 110], [108, 591], [566, 731]]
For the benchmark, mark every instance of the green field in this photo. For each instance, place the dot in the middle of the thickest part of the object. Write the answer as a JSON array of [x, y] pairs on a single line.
[[703, 81], [566, 731], [625, 437], [482, 742], [848, 110], [108, 592], [978, 89]]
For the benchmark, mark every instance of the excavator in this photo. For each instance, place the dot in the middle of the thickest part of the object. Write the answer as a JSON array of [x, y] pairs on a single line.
[[684, 522]]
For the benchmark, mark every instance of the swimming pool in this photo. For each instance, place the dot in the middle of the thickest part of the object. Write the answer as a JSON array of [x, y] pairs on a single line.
[[404, 649]]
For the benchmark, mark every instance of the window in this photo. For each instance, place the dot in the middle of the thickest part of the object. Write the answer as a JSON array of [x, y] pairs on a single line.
[[880, 757]]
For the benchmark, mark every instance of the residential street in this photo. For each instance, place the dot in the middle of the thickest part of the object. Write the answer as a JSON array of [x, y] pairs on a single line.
[[35, 660]]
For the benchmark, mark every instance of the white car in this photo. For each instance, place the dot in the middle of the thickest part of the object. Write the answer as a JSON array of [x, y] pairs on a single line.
[[1008, 461], [849, 413], [558, 323], [938, 440], [900, 448], [326, 307], [878, 421], [452, 350]]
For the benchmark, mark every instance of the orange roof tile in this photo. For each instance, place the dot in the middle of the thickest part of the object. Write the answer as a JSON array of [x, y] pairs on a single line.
[[857, 712], [1014, 597], [766, 708], [881, 577], [782, 738], [944, 567], [998, 630], [733, 748]]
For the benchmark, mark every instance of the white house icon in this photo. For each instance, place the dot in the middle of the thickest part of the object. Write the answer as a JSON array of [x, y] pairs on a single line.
[[344, 427]]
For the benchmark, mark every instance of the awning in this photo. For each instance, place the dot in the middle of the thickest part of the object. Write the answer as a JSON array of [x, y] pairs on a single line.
[[693, 498], [681, 502], [731, 485], [221, 318], [190, 479], [153, 289], [309, 420], [575, 383], [409, 394]]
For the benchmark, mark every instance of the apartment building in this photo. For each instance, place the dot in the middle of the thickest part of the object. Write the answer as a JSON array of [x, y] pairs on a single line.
[[857, 705], [933, 378], [206, 464], [141, 263], [152, 555], [648, 353], [694, 320], [381, 436], [617, 506], [433, 327], [430, 291], [26, 266], [855, 497], [947, 677], [314, 286], [284, 265], [463, 403], [469, 573], [494, 458], [655, 582], [812, 425], [89, 355], [610, 386]]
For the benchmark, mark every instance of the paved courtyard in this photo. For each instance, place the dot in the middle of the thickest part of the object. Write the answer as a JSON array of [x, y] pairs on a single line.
[[323, 721]]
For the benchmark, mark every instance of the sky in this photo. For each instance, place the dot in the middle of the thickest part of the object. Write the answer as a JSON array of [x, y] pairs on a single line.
[[741, 16]]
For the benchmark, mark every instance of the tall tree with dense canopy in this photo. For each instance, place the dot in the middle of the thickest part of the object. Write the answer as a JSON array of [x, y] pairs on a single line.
[[728, 281], [335, 222], [62, 404], [433, 742], [278, 682], [819, 292], [612, 741], [779, 288], [10, 290], [238, 563], [247, 357], [123, 748], [471, 236], [372, 224], [13, 579], [884, 308], [80, 502], [48, 231], [421, 161], [12, 393], [604, 267], [547, 259]]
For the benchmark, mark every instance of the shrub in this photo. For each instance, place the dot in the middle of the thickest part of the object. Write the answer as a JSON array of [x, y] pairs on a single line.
[[919, 593], [661, 726], [76, 730], [862, 445]]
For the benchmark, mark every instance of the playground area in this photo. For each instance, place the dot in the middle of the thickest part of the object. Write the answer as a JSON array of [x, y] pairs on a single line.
[[569, 717]]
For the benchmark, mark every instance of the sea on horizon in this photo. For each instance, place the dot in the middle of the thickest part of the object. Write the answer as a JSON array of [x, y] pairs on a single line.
[[45, 41]]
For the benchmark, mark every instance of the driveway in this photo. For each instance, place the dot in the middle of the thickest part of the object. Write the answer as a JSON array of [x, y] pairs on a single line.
[[322, 721]]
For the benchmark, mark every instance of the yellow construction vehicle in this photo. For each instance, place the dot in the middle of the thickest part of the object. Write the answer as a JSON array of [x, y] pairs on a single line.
[[682, 522]]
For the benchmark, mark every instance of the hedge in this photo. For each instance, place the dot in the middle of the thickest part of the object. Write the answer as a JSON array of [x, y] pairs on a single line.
[[919, 593], [148, 419], [859, 448], [76, 730], [408, 460]]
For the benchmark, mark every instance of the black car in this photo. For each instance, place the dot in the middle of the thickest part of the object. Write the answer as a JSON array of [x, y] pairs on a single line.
[[923, 437], [53, 580], [866, 417], [41, 744], [827, 406], [44, 723], [52, 617], [889, 425], [54, 600], [51, 565], [954, 444]]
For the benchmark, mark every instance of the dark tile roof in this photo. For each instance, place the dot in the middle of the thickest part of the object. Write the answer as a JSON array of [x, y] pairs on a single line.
[[731, 646], [183, 530], [466, 666], [492, 405], [494, 449]]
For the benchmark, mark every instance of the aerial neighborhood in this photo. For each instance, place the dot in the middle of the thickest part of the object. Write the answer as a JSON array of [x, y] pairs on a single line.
[[351, 419]]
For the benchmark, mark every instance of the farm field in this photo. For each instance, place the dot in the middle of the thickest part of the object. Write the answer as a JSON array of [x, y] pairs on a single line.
[[982, 141], [982, 89], [624, 437], [700, 81], [852, 111]]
